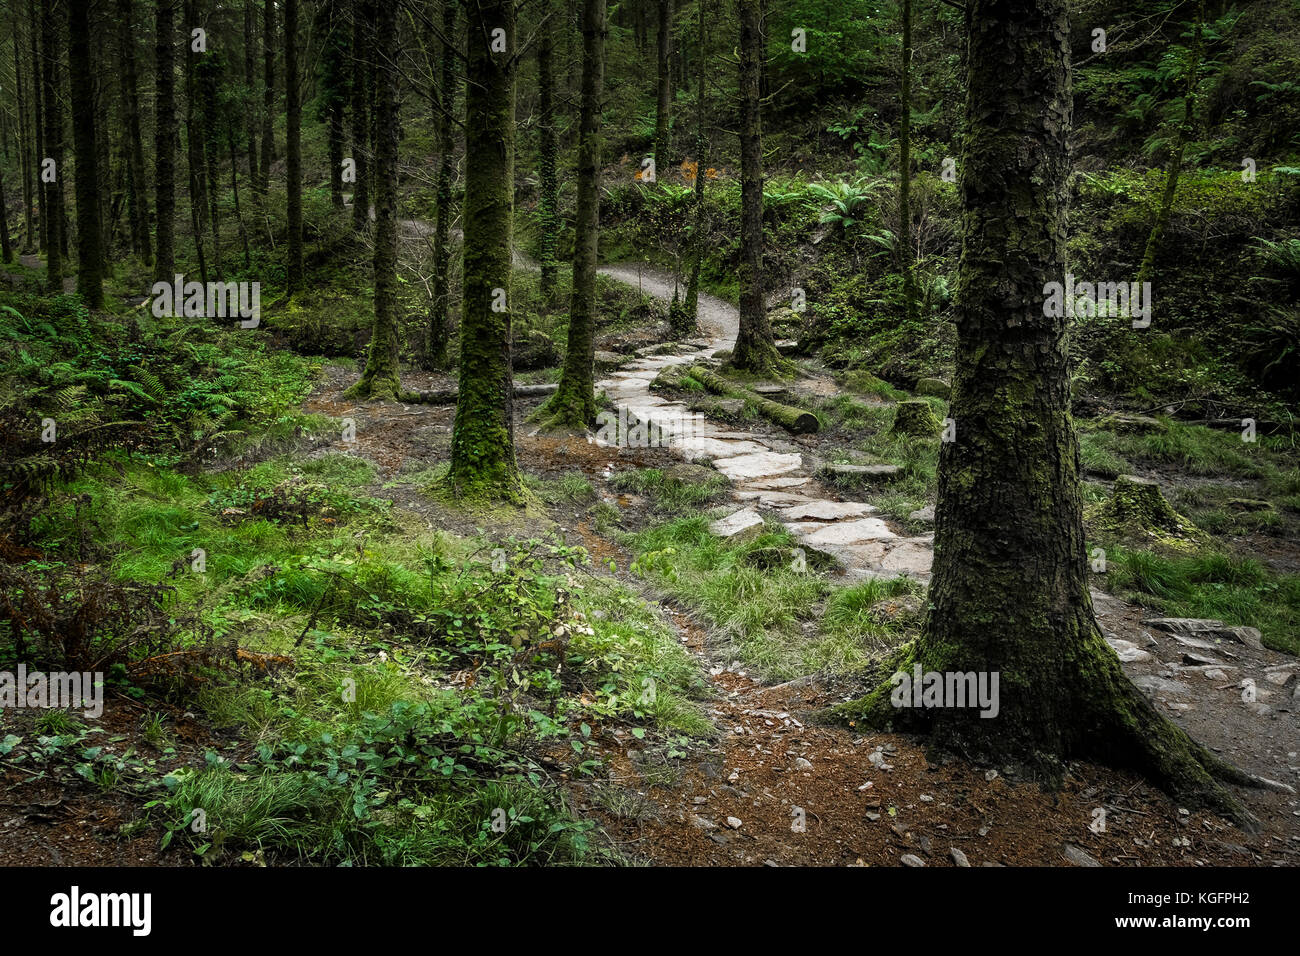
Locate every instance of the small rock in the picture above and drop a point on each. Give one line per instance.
(703, 823)
(923, 515)
(736, 523)
(958, 856)
(926, 798)
(911, 859)
(734, 822)
(801, 764)
(1077, 856)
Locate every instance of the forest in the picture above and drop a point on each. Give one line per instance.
(637, 433)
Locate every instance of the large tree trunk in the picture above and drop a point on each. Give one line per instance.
(52, 204)
(136, 192)
(548, 206)
(250, 85)
(482, 443)
(333, 89)
(1009, 594)
(25, 142)
(90, 253)
(755, 349)
(194, 143)
(663, 88)
(362, 13)
(380, 377)
(293, 146)
(446, 106)
(691, 312)
(574, 405)
(38, 130)
(165, 140)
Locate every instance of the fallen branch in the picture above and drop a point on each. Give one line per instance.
(787, 416)
(448, 396)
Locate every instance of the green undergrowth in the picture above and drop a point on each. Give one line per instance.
(769, 603)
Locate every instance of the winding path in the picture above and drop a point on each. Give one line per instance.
(764, 480)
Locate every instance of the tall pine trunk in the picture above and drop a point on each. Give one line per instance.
(293, 146)
(905, 172)
(1009, 593)
(691, 311)
(25, 139)
(755, 349)
(165, 139)
(194, 143)
(483, 461)
(269, 47)
(38, 129)
(250, 86)
(90, 253)
(381, 375)
(52, 193)
(574, 403)
(137, 209)
(663, 87)
(548, 206)
(446, 102)
(362, 13)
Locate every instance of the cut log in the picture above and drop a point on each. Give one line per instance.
(448, 396)
(787, 416)
(915, 417)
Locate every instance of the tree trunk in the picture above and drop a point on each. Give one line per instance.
(1185, 130)
(1009, 594)
(268, 95)
(293, 147)
(664, 88)
(334, 93)
(482, 444)
(137, 201)
(446, 102)
(380, 379)
(250, 85)
(165, 140)
(51, 206)
(194, 142)
(574, 405)
(362, 12)
(905, 172)
(25, 140)
(691, 311)
(755, 349)
(38, 131)
(90, 253)
(548, 158)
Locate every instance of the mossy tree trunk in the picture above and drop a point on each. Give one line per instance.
(334, 93)
(38, 127)
(548, 206)
(362, 14)
(293, 147)
(1172, 174)
(483, 462)
(137, 201)
(250, 90)
(692, 308)
(269, 46)
(90, 251)
(25, 141)
(165, 140)
(1009, 593)
(380, 377)
(574, 404)
(194, 142)
(439, 320)
(755, 349)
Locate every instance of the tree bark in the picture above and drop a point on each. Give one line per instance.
(446, 104)
(52, 204)
(250, 85)
(755, 349)
(905, 171)
(38, 130)
(362, 12)
(25, 140)
(381, 375)
(90, 252)
(664, 88)
(574, 404)
(548, 158)
(1009, 593)
(165, 140)
(194, 142)
(691, 310)
(482, 444)
(293, 147)
(136, 192)
(269, 47)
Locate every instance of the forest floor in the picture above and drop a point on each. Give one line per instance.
(770, 785)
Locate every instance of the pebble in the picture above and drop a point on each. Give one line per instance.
(734, 822)
(958, 857)
(911, 859)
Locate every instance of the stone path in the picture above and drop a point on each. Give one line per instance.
(766, 482)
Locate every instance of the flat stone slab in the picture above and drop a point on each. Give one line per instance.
(758, 465)
(1127, 651)
(703, 446)
(790, 482)
(1161, 685)
(842, 532)
(1207, 629)
(736, 523)
(826, 510)
(912, 556)
(923, 515)
(860, 472)
(773, 499)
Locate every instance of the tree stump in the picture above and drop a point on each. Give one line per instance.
(1137, 504)
(915, 418)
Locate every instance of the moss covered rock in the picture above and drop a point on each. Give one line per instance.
(1137, 506)
(934, 386)
(915, 418)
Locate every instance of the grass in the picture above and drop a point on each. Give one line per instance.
(766, 611)
(1233, 589)
(669, 493)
